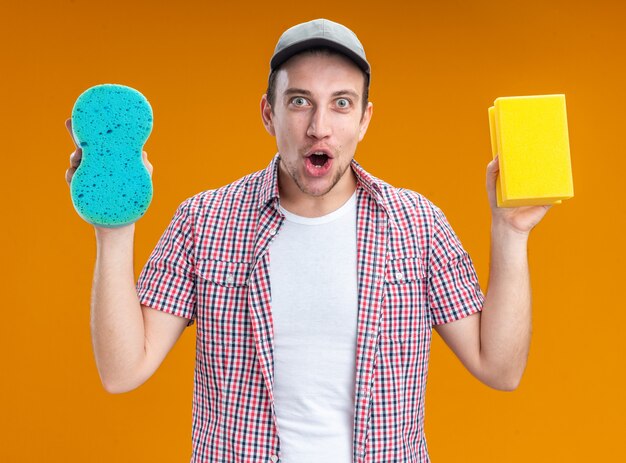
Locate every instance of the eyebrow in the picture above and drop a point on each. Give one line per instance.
(301, 91)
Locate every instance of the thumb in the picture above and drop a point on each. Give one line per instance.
(148, 164)
(493, 169)
(68, 126)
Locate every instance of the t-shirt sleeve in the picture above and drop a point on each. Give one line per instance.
(454, 292)
(167, 281)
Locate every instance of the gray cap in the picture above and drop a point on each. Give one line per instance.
(316, 33)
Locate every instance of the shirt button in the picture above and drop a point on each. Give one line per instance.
(230, 278)
(273, 231)
(399, 276)
(274, 458)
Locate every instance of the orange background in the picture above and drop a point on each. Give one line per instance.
(436, 67)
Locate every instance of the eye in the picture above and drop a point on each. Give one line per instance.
(299, 101)
(343, 103)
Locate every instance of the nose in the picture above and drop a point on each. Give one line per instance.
(319, 125)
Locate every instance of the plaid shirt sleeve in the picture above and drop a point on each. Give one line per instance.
(454, 291)
(167, 281)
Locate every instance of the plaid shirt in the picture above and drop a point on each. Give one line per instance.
(212, 265)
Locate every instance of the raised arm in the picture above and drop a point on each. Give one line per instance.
(130, 340)
(493, 344)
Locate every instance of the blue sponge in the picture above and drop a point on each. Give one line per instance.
(111, 187)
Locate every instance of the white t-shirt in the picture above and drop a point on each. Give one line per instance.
(314, 308)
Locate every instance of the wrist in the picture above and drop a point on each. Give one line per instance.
(502, 228)
(104, 234)
(508, 240)
(509, 248)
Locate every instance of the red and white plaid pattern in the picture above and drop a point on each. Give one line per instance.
(212, 265)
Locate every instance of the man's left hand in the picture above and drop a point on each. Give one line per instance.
(518, 219)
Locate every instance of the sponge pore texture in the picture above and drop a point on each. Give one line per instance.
(111, 187)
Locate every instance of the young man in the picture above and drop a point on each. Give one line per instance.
(315, 286)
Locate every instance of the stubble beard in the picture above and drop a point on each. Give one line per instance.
(303, 188)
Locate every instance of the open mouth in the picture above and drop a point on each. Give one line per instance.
(318, 163)
(319, 160)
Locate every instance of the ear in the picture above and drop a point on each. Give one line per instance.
(365, 119)
(267, 115)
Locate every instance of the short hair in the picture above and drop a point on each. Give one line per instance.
(271, 85)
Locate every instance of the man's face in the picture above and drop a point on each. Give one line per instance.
(318, 121)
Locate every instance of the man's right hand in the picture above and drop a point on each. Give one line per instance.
(77, 155)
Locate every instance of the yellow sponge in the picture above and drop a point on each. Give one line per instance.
(529, 133)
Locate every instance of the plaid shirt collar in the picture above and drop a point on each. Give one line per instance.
(372, 185)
